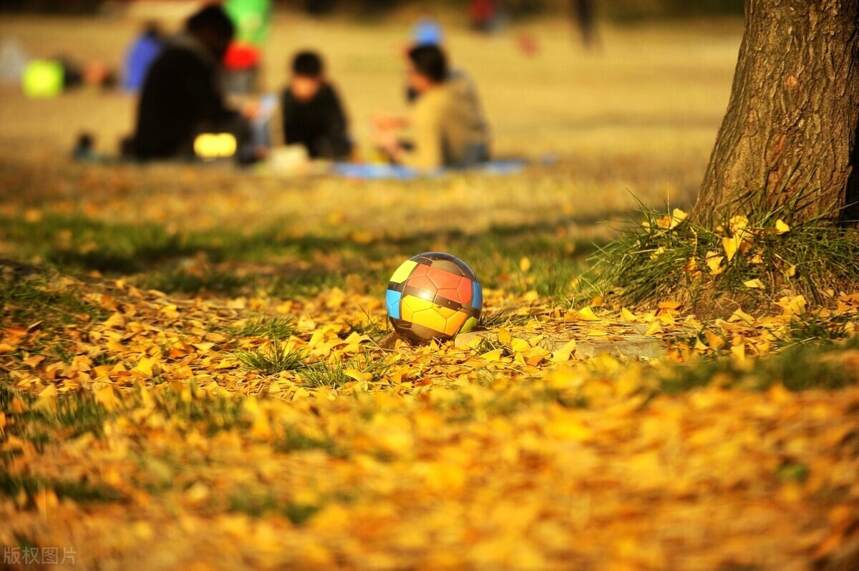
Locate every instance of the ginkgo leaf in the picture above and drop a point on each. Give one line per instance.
(536, 355)
(792, 305)
(493, 355)
(34, 361)
(740, 315)
(563, 353)
(677, 217)
(116, 320)
(358, 375)
(587, 314)
(738, 224)
(714, 262)
(146, 366)
(568, 427)
(754, 284)
(47, 399)
(654, 327)
(731, 246)
(524, 264)
(781, 227)
(106, 396)
(519, 345)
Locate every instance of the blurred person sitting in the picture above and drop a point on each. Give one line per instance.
(426, 32)
(447, 120)
(182, 96)
(313, 115)
(142, 53)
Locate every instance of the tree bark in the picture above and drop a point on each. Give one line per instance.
(788, 138)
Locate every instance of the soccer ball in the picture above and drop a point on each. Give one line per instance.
(433, 296)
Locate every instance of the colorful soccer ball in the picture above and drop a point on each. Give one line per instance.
(433, 296)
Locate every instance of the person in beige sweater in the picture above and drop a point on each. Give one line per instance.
(447, 122)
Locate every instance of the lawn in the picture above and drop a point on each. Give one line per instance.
(196, 371)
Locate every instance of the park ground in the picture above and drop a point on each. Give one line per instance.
(196, 371)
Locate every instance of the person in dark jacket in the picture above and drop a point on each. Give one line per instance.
(312, 113)
(182, 94)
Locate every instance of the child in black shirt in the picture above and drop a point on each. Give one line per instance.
(312, 113)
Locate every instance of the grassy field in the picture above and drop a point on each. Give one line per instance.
(196, 370)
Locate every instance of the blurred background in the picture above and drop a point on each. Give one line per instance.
(607, 111)
(655, 79)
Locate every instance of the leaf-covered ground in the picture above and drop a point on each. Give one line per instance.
(196, 372)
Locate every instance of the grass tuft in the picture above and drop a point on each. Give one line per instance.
(296, 441)
(815, 327)
(263, 502)
(76, 414)
(661, 259)
(25, 298)
(370, 326)
(324, 375)
(215, 413)
(272, 359)
(275, 328)
(335, 375)
(13, 485)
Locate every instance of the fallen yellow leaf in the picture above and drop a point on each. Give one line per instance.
(106, 397)
(493, 355)
(524, 264)
(519, 345)
(731, 245)
(146, 366)
(568, 427)
(587, 314)
(714, 262)
(654, 327)
(740, 315)
(358, 375)
(563, 353)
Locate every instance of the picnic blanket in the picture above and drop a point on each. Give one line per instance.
(395, 172)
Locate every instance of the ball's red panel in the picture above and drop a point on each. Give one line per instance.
(442, 283)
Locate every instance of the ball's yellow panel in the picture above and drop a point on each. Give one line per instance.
(424, 312)
(454, 323)
(411, 304)
(403, 272)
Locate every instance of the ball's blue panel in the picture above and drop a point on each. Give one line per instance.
(392, 300)
(476, 295)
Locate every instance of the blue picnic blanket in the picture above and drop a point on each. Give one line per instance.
(396, 172)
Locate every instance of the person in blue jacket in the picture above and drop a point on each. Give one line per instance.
(140, 56)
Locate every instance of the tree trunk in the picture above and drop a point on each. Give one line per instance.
(788, 138)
